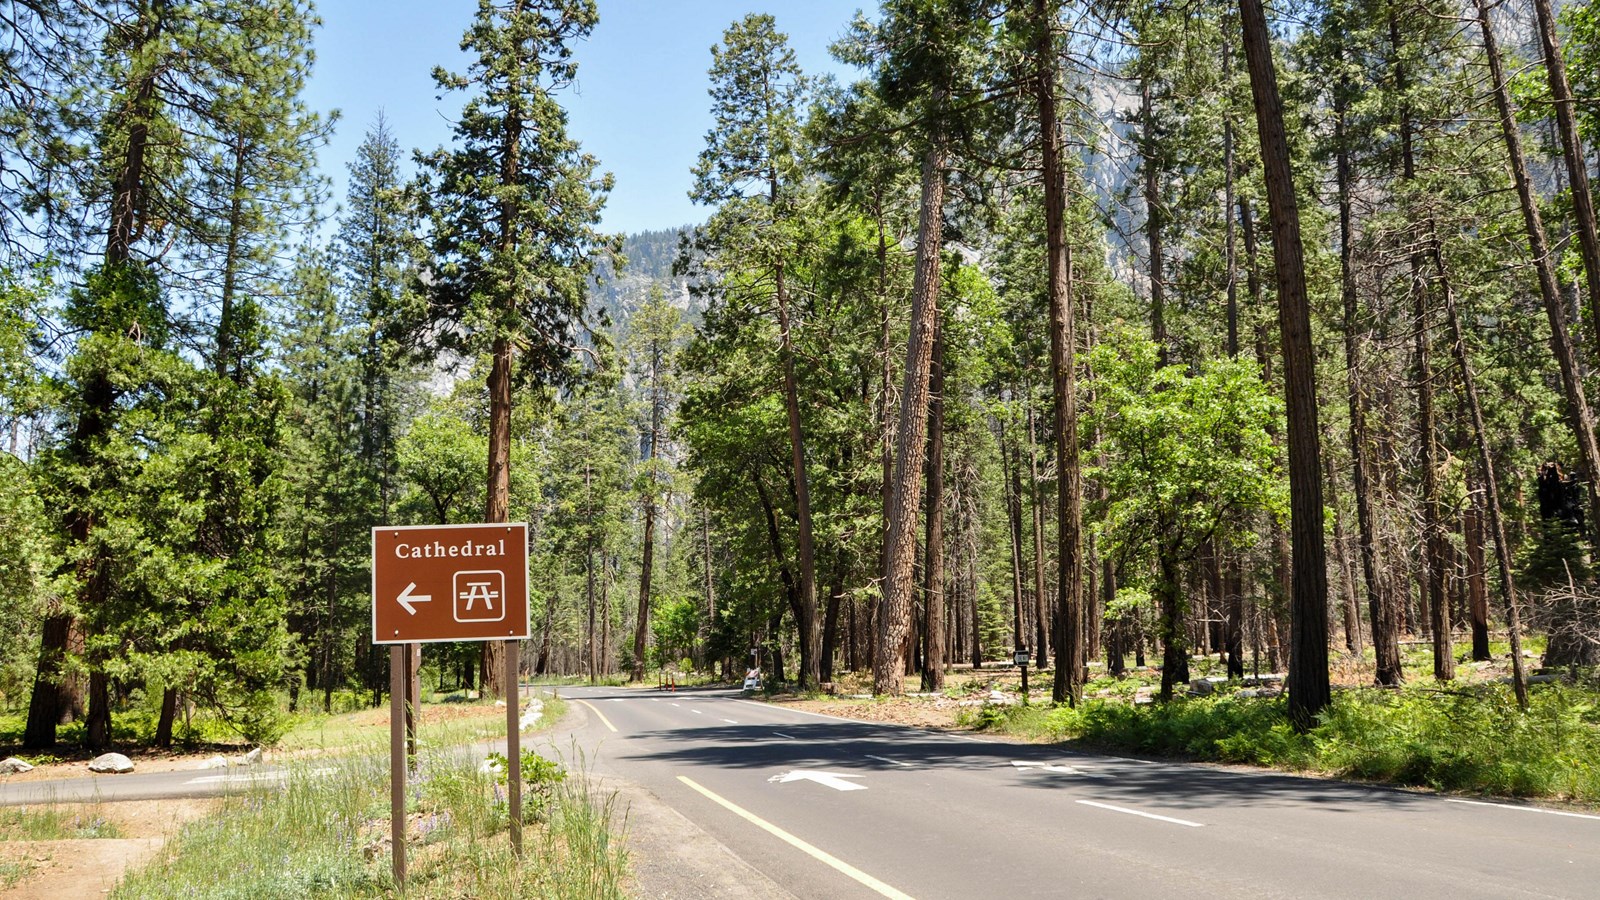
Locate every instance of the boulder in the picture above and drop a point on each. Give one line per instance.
(215, 762)
(114, 763)
(14, 766)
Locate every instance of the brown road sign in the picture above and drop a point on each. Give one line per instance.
(449, 583)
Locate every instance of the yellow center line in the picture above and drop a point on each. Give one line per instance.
(598, 713)
(812, 851)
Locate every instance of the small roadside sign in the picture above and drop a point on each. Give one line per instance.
(449, 583)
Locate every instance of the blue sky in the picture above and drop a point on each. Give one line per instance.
(640, 104)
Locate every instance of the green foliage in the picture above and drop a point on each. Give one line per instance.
(675, 623)
(22, 823)
(322, 835)
(540, 778)
(513, 237)
(1473, 740)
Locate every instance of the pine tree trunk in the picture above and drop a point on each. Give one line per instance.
(806, 614)
(491, 667)
(1010, 462)
(1152, 225)
(641, 627)
(933, 662)
(1380, 604)
(1579, 416)
(1491, 484)
(1041, 616)
(894, 622)
(1477, 595)
(1433, 549)
(1069, 626)
(1555, 67)
(1352, 612)
(1309, 691)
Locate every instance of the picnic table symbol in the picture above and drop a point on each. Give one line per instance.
(478, 595)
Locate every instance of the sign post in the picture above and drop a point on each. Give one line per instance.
(434, 583)
(1021, 659)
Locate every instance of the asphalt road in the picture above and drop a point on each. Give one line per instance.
(829, 808)
(727, 797)
(138, 786)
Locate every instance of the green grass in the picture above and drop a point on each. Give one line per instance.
(357, 730)
(323, 835)
(11, 873)
(23, 823)
(1471, 740)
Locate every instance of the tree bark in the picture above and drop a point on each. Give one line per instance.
(1069, 629)
(806, 614)
(894, 621)
(647, 565)
(1152, 221)
(1491, 484)
(1041, 616)
(1579, 416)
(1433, 549)
(1309, 691)
(1555, 67)
(1380, 605)
(933, 661)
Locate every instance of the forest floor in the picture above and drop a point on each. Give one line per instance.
(967, 690)
(90, 846)
(62, 868)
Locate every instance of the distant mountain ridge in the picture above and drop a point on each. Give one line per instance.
(649, 255)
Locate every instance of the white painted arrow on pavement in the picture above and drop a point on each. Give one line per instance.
(835, 780)
(407, 598)
(1063, 770)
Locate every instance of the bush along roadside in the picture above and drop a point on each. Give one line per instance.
(1474, 741)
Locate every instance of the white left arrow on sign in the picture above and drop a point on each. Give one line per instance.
(407, 598)
(835, 780)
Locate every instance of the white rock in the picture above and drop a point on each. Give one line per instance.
(499, 703)
(253, 757)
(488, 767)
(111, 762)
(215, 762)
(14, 766)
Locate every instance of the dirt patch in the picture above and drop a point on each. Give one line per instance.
(70, 869)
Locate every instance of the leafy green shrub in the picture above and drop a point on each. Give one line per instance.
(539, 779)
(1450, 740)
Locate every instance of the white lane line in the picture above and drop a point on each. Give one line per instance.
(1135, 812)
(730, 721)
(892, 762)
(695, 711)
(596, 711)
(814, 852)
(1534, 809)
(677, 704)
(259, 776)
(789, 737)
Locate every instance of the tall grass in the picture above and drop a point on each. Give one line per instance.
(49, 823)
(1475, 740)
(324, 834)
